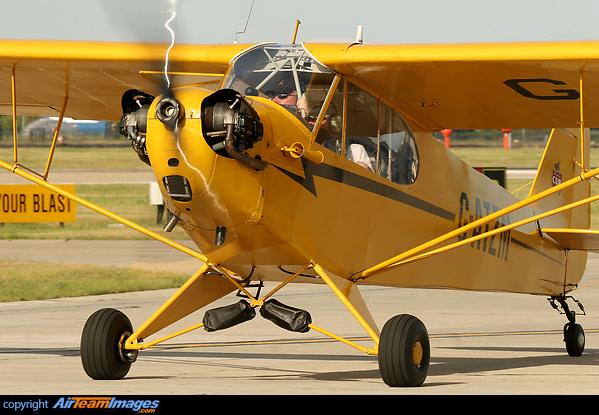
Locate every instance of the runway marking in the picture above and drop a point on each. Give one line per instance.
(325, 340)
(507, 333)
(588, 285)
(16, 350)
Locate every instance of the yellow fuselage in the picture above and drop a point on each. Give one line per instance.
(341, 215)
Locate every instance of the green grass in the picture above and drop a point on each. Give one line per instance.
(522, 157)
(101, 158)
(26, 281)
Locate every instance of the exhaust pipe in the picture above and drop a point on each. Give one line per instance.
(241, 157)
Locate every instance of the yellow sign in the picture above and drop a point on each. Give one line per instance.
(32, 203)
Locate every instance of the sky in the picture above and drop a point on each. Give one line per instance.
(384, 21)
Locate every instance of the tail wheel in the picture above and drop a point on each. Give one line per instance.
(404, 351)
(102, 355)
(574, 338)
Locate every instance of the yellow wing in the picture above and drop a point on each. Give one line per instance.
(476, 86)
(94, 75)
(498, 85)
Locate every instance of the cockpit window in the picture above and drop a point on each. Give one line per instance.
(286, 74)
(371, 134)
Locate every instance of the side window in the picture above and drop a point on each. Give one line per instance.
(398, 158)
(376, 136)
(362, 128)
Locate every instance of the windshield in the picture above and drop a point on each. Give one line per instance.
(286, 74)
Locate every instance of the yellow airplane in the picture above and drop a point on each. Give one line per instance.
(315, 163)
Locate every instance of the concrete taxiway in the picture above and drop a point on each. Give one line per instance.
(145, 254)
(481, 343)
(83, 176)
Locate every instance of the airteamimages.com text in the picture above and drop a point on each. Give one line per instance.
(142, 406)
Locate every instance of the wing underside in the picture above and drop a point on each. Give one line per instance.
(94, 75)
(478, 86)
(467, 86)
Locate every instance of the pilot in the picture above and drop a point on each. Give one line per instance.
(329, 135)
(357, 153)
(286, 96)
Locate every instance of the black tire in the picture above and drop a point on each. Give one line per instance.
(102, 334)
(574, 338)
(404, 351)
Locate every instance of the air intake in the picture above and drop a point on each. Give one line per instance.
(177, 187)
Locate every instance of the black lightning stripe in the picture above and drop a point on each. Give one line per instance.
(530, 248)
(357, 181)
(339, 175)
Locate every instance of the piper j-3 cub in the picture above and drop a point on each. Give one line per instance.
(315, 163)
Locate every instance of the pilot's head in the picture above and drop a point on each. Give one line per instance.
(285, 93)
(286, 98)
(331, 122)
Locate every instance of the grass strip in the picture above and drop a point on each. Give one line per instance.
(26, 281)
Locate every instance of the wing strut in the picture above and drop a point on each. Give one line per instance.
(413, 254)
(582, 140)
(56, 131)
(42, 182)
(55, 138)
(502, 229)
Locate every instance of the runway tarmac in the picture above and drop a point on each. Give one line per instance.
(481, 343)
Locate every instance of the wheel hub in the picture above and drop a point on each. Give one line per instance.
(418, 353)
(124, 354)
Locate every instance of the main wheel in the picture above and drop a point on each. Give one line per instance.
(101, 345)
(574, 338)
(404, 351)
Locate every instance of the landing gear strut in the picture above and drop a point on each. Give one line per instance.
(573, 332)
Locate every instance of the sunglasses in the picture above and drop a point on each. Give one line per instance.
(283, 95)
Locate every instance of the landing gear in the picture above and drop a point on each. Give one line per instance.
(573, 332)
(102, 353)
(404, 351)
(109, 345)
